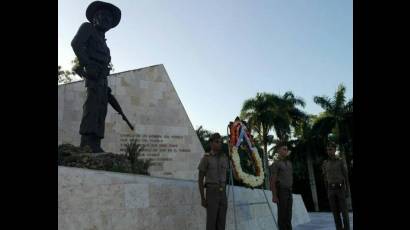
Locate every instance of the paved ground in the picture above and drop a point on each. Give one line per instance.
(321, 221)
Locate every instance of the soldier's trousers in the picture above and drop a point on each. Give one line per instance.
(216, 210)
(285, 208)
(337, 202)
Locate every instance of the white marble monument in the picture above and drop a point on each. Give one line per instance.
(169, 198)
(152, 105)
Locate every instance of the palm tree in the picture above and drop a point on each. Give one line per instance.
(269, 111)
(260, 113)
(203, 136)
(288, 115)
(337, 118)
(307, 142)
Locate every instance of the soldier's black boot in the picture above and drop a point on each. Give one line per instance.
(346, 223)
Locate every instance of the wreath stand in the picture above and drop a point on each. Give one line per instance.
(231, 186)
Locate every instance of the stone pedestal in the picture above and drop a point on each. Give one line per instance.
(90, 199)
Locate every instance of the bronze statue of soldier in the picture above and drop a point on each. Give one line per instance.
(90, 47)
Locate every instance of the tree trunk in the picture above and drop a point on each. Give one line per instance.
(265, 161)
(312, 181)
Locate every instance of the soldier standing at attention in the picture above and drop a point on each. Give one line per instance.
(281, 187)
(213, 168)
(336, 181)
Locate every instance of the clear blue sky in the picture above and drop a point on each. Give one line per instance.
(220, 53)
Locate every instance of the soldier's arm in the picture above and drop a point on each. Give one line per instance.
(202, 167)
(273, 179)
(324, 173)
(273, 185)
(346, 176)
(79, 43)
(201, 177)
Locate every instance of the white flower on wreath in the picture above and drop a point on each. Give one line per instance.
(248, 179)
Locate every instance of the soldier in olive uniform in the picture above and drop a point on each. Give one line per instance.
(281, 185)
(336, 181)
(90, 47)
(213, 167)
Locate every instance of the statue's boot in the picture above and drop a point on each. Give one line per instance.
(93, 142)
(98, 145)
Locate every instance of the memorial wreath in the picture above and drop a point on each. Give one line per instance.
(240, 139)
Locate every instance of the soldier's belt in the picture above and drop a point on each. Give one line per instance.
(336, 185)
(215, 186)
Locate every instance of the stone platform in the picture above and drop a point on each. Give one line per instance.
(101, 200)
(321, 221)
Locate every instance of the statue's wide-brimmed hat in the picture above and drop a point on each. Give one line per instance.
(97, 5)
